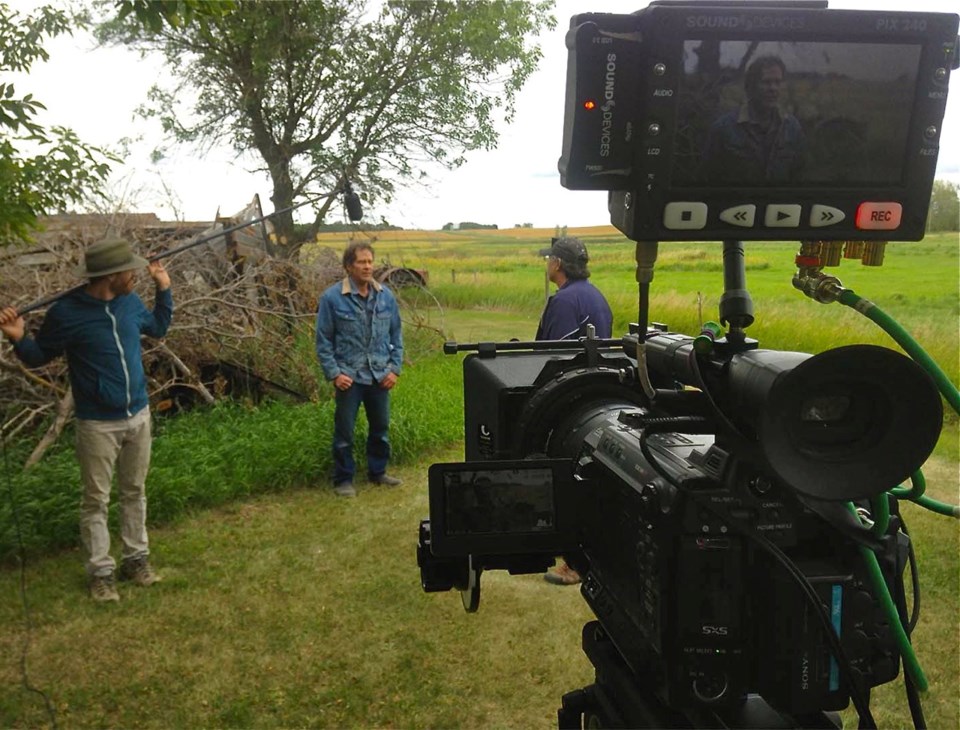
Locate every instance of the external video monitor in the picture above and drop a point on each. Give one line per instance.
(502, 507)
(758, 121)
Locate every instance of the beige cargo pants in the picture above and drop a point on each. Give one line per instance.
(101, 447)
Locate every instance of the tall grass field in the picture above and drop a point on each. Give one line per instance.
(285, 606)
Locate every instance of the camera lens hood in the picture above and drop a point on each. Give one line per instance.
(850, 423)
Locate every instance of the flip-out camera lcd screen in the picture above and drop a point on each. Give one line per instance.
(501, 507)
(499, 501)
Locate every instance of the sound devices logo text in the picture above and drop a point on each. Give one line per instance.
(745, 22)
(609, 92)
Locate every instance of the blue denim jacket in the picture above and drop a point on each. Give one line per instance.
(348, 341)
(739, 150)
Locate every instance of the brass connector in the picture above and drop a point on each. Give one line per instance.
(873, 252)
(820, 287)
(853, 250)
(830, 252)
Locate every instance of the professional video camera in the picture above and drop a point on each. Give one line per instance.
(732, 510)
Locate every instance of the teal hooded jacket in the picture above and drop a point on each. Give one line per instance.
(101, 340)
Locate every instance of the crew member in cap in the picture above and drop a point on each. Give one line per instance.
(98, 328)
(577, 304)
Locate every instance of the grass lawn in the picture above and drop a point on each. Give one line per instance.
(292, 610)
(300, 609)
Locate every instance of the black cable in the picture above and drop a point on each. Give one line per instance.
(914, 581)
(909, 686)
(28, 623)
(729, 429)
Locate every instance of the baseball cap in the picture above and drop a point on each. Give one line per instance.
(570, 250)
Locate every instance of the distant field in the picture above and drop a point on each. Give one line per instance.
(501, 271)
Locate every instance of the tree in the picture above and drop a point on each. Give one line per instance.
(944, 214)
(41, 170)
(152, 14)
(325, 91)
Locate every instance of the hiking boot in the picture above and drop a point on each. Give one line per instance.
(386, 480)
(139, 571)
(564, 575)
(344, 489)
(103, 588)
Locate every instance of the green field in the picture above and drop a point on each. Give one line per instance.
(490, 285)
(500, 273)
(284, 606)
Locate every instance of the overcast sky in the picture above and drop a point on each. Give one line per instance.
(95, 91)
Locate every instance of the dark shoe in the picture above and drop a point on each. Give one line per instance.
(386, 480)
(344, 489)
(564, 575)
(103, 588)
(138, 571)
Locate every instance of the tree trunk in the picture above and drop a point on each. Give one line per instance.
(283, 247)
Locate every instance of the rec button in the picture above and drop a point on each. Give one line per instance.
(879, 216)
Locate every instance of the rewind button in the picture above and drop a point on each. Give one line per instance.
(739, 215)
(825, 215)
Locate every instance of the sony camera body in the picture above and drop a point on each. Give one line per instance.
(660, 507)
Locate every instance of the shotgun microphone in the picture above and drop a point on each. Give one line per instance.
(352, 201)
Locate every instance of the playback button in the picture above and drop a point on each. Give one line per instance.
(782, 215)
(739, 215)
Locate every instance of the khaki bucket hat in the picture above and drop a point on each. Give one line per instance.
(109, 256)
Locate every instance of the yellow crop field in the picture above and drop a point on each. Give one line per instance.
(441, 237)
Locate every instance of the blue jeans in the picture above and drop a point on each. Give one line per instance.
(376, 404)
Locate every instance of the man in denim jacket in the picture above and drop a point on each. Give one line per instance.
(98, 329)
(360, 348)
